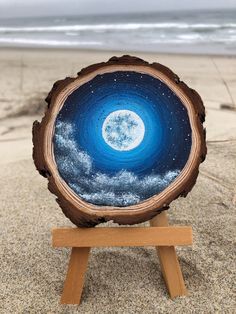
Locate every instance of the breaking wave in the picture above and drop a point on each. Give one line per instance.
(110, 27)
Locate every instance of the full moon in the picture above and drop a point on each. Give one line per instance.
(123, 130)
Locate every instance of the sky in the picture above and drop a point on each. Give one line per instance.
(25, 8)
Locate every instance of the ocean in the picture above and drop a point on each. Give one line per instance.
(199, 32)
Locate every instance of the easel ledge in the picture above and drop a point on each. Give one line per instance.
(160, 235)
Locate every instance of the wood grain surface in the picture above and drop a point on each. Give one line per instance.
(86, 214)
(133, 236)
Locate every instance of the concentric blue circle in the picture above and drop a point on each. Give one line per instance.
(102, 175)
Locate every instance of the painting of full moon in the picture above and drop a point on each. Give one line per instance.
(123, 130)
(121, 138)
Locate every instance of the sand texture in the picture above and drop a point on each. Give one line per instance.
(118, 280)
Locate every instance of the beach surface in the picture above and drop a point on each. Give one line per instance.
(118, 280)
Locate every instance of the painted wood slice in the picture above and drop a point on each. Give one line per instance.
(120, 141)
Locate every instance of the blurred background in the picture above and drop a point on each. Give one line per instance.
(157, 26)
(42, 41)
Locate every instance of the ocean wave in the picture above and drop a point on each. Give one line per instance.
(121, 189)
(48, 42)
(113, 27)
(140, 44)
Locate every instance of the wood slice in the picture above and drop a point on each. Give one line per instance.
(120, 141)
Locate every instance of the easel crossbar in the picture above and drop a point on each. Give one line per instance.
(121, 236)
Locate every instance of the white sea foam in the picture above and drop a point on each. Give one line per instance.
(47, 42)
(104, 27)
(121, 189)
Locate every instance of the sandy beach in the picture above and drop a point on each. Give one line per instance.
(119, 280)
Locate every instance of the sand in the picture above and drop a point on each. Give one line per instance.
(119, 280)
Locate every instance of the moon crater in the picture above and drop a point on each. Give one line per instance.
(123, 130)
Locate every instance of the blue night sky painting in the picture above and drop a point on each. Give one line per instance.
(121, 138)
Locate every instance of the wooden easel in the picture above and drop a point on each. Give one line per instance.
(160, 234)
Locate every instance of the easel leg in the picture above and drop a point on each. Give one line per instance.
(169, 262)
(74, 282)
